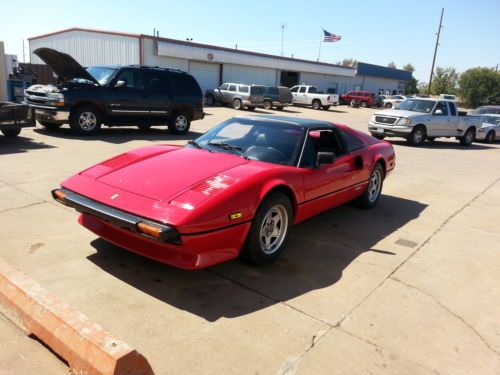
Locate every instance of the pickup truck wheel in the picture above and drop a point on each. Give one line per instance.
(11, 132)
(316, 104)
(270, 229)
(490, 137)
(468, 137)
(417, 136)
(85, 120)
(210, 100)
(49, 125)
(326, 107)
(371, 195)
(268, 104)
(179, 123)
(237, 104)
(364, 104)
(388, 105)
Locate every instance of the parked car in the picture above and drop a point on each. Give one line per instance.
(237, 190)
(419, 119)
(114, 95)
(365, 98)
(490, 128)
(305, 95)
(487, 109)
(14, 117)
(237, 95)
(278, 97)
(390, 101)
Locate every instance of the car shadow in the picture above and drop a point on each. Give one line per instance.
(316, 255)
(20, 144)
(444, 145)
(118, 135)
(336, 110)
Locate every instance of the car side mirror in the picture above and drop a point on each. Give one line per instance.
(120, 84)
(438, 112)
(325, 158)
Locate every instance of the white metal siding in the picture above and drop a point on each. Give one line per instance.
(151, 58)
(249, 74)
(90, 48)
(207, 75)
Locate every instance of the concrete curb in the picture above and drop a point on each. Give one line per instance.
(86, 346)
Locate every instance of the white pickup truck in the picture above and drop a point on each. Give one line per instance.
(308, 96)
(419, 119)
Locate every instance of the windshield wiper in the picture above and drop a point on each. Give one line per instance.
(227, 146)
(194, 143)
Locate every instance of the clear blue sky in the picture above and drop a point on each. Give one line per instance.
(376, 32)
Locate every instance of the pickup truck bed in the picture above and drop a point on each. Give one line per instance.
(14, 117)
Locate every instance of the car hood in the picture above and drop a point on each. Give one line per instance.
(65, 66)
(398, 113)
(166, 175)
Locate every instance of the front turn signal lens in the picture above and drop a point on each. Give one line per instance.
(150, 230)
(59, 195)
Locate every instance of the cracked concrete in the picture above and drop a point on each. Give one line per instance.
(411, 287)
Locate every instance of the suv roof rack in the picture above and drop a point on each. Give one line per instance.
(156, 67)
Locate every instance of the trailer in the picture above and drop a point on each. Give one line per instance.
(14, 117)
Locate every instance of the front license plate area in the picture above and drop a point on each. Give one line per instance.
(380, 130)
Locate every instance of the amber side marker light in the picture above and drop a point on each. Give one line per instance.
(235, 216)
(59, 195)
(150, 230)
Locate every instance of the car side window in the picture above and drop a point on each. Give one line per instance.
(243, 88)
(225, 86)
(453, 109)
(232, 87)
(134, 79)
(302, 89)
(353, 143)
(294, 89)
(321, 140)
(443, 107)
(158, 82)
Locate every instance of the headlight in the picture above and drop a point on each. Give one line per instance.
(56, 95)
(372, 119)
(403, 122)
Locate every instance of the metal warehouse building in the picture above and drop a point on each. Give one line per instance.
(210, 65)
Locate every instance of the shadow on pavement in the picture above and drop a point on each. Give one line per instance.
(317, 253)
(118, 135)
(444, 145)
(20, 144)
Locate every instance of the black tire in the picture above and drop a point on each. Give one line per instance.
(11, 133)
(468, 137)
(210, 100)
(316, 104)
(237, 104)
(144, 127)
(268, 104)
(417, 136)
(431, 139)
(372, 193)
(279, 107)
(490, 137)
(251, 108)
(325, 107)
(363, 104)
(378, 136)
(50, 125)
(388, 105)
(179, 123)
(254, 250)
(85, 120)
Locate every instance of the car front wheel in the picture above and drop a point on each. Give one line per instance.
(417, 136)
(85, 120)
(468, 137)
(490, 138)
(270, 229)
(371, 195)
(179, 123)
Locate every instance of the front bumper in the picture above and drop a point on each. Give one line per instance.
(481, 136)
(389, 130)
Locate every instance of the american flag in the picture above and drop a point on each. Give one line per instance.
(329, 37)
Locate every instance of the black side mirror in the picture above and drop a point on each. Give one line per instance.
(325, 158)
(120, 84)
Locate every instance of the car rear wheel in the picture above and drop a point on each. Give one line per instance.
(179, 123)
(490, 137)
(388, 105)
(85, 120)
(50, 125)
(237, 104)
(417, 136)
(316, 104)
(11, 132)
(210, 100)
(268, 104)
(364, 104)
(371, 195)
(326, 107)
(270, 229)
(468, 137)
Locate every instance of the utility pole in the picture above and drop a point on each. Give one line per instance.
(435, 51)
(24, 57)
(282, 33)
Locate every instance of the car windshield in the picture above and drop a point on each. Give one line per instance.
(415, 105)
(255, 139)
(102, 74)
(494, 120)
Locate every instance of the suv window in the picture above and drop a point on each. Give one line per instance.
(294, 89)
(353, 142)
(157, 81)
(273, 91)
(134, 78)
(256, 90)
(232, 88)
(443, 107)
(243, 88)
(453, 109)
(184, 83)
(225, 86)
(302, 89)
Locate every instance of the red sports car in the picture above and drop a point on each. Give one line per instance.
(234, 191)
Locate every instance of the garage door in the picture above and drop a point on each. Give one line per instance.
(207, 75)
(249, 74)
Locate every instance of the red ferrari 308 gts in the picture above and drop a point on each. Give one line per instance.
(236, 190)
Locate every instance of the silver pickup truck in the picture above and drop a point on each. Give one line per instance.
(419, 119)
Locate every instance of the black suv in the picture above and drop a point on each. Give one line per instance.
(114, 95)
(278, 97)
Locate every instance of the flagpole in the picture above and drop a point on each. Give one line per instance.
(320, 42)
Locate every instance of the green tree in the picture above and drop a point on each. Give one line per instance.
(391, 65)
(348, 62)
(479, 86)
(412, 87)
(422, 88)
(445, 81)
(409, 68)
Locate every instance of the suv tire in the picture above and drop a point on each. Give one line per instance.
(210, 100)
(268, 104)
(363, 104)
(179, 123)
(237, 104)
(11, 132)
(85, 120)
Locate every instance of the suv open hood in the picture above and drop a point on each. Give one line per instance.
(66, 67)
